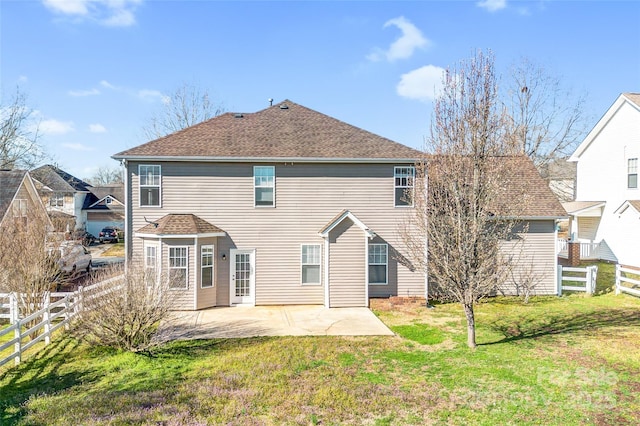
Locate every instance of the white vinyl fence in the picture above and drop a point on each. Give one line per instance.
(580, 279)
(53, 316)
(624, 284)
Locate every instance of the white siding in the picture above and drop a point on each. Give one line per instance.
(588, 228)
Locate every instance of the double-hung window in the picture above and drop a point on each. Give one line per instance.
(206, 266)
(178, 267)
(151, 263)
(378, 264)
(632, 173)
(310, 263)
(56, 200)
(150, 185)
(264, 180)
(404, 185)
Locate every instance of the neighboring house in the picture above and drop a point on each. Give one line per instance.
(287, 206)
(19, 199)
(606, 214)
(561, 175)
(103, 206)
(63, 195)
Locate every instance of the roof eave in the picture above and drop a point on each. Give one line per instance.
(164, 236)
(203, 159)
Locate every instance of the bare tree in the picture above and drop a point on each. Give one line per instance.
(19, 137)
(186, 106)
(546, 119)
(106, 176)
(125, 311)
(461, 215)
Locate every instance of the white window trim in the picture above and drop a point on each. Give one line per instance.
(57, 197)
(319, 264)
(386, 264)
(212, 266)
(629, 172)
(413, 187)
(156, 267)
(140, 186)
(186, 268)
(256, 186)
(20, 207)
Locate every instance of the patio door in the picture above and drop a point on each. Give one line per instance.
(242, 277)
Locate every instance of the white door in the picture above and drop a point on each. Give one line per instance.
(243, 277)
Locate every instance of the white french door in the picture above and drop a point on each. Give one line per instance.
(243, 281)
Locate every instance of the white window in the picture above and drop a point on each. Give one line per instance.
(19, 207)
(632, 173)
(403, 177)
(151, 263)
(378, 264)
(206, 266)
(56, 200)
(178, 261)
(264, 178)
(310, 263)
(150, 185)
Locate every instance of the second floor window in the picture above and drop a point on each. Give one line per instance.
(264, 181)
(56, 200)
(150, 185)
(632, 173)
(404, 177)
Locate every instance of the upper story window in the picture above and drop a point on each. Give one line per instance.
(404, 180)
(150, 185)
(264, 181)
(56, 200)
(310, 263)
(632, 173)
(20, 210)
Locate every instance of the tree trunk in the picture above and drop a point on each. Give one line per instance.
(471, 325)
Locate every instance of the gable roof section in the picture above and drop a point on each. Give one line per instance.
(179, 225)
(632, 99)
(344, 214)
(578, 207)
(97, 194)
(624, 206)
(58, 180)
(10, 182)
(285, 131)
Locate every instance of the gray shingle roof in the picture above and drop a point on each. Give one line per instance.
(285, 130)
(10, 181)
(180, 224)
(59, 180)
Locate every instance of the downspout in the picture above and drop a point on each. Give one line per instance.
(127, 221)
(327, 303)
(196, 272)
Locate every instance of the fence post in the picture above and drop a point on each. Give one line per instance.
(67, 314)
(17, 346)
(14, 314)
(594, 277)
(559, 280)
(46, 316)
(618, 275)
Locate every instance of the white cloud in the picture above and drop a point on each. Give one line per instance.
(55, 127)
(111, 13)
(23, 79)
(492, 5)
(105, 83)
(423, 84)
(97, 128)
(153, 95)
(81, 93)
(410, 40)
(77, 147)
(142, 94)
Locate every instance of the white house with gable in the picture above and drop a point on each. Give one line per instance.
(606, 213)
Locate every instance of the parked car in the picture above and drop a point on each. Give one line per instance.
(111, 234)
(83, 236)
(72, 257)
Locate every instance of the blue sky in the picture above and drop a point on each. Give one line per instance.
(96, 70)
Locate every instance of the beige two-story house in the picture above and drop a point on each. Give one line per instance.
(285, 206)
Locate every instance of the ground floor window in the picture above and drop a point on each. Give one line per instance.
(206, 262)
(310, 263)
(178, 261)
(378, 263)
(151, 263)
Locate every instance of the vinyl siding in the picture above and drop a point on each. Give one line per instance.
(535, 256)
(307, 197)
(347, 266)
(588, 228)
(182, 299)
(206, 297)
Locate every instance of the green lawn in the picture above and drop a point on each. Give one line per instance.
(569, 360)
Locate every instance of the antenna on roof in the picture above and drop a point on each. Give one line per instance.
(270, 101)
(155, 224)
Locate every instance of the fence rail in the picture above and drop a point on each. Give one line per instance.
(43, 323)
(625, 284)
(588, 280)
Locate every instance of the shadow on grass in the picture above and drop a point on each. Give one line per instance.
(514, 329)
(38, 375)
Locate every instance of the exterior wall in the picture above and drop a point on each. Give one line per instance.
(588, 228)
(206, 297)
(602, 176)
(536, 257)
(347, 266)
(307, 197)
(183, 299)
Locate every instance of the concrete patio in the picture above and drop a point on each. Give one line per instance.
(242, 321)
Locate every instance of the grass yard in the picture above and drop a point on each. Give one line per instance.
(116, 250)
(569, 360)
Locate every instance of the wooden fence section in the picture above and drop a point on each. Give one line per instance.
(588, 280)
(42, 324)
(625, 284)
